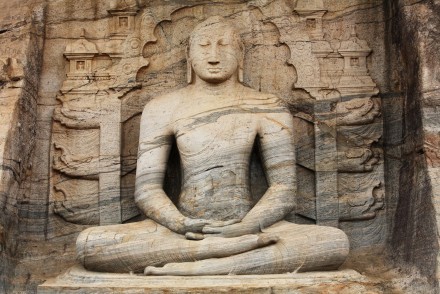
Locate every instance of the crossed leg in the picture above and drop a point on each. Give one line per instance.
(300, 248)
(134, 246)
(283, 247)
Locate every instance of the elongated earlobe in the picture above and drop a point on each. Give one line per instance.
(240, 74)
(189, 71)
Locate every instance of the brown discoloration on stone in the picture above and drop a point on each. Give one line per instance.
(432, 149)
(403, 36)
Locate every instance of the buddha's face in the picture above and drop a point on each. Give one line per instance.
(215, 53)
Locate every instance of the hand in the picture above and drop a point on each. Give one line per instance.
(232, 230)
(194, 227)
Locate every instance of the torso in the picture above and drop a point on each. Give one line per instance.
(215, 140)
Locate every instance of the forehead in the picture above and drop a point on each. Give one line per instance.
(216, 30)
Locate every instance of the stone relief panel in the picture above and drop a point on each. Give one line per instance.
(12, 88)
(77, 160)
(109, 80)
(11, 81)
(11, 70)
(346, 159)
(76, 201)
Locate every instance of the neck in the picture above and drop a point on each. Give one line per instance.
(227, 87)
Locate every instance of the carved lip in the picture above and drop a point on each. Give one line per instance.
(214, 69)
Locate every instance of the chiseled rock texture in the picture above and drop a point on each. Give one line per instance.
(347, 281)
(412, 133)
(62, 170)
(21, 53)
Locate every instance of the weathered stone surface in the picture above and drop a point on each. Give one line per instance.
(21, 42)
(166, 48)
(217, 227)
(78, 280)
(411, 120)
(326, 59)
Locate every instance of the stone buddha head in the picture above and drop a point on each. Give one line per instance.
(215, 52)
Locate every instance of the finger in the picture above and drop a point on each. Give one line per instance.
(232, 221)
(196, 224)
(223, 223)
(200, 222)
(194, 236)
(215, 224)
(211, 230)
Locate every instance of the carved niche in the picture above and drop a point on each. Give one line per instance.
(339, 156)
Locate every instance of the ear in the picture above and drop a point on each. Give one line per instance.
(240, 72)
(189, 71)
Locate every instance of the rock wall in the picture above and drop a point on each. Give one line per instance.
(412, 133)
(21, 49)
(76, 74)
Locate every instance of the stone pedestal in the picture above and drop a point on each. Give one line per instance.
(78, 280)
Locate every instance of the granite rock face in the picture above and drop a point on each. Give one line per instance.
(412, 120)
(361, 80)
(21, 49)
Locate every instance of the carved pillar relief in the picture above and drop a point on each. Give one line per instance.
(347, 124)
(88, 142)
(87, 127)
(345, 157)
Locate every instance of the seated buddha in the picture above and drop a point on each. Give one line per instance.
(215, 228)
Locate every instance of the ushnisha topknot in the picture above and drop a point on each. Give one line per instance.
(211, 23)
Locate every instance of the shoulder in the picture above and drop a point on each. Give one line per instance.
(166, 103)
(264, 102)
(271, 112)
(158, 113)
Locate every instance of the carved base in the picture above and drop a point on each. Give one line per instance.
(78, 280)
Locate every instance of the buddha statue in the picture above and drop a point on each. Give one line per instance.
(215, 228)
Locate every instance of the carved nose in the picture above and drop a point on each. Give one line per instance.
(213, 56)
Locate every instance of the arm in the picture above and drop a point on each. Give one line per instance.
(278, 155)
(155, 141)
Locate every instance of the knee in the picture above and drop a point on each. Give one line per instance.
(330, 250)
(81, 245)
(337, 235)
(332, 238)
(341, 240)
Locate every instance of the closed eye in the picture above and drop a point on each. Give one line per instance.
(223, 42)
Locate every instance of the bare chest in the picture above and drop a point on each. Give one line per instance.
(215, 133)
